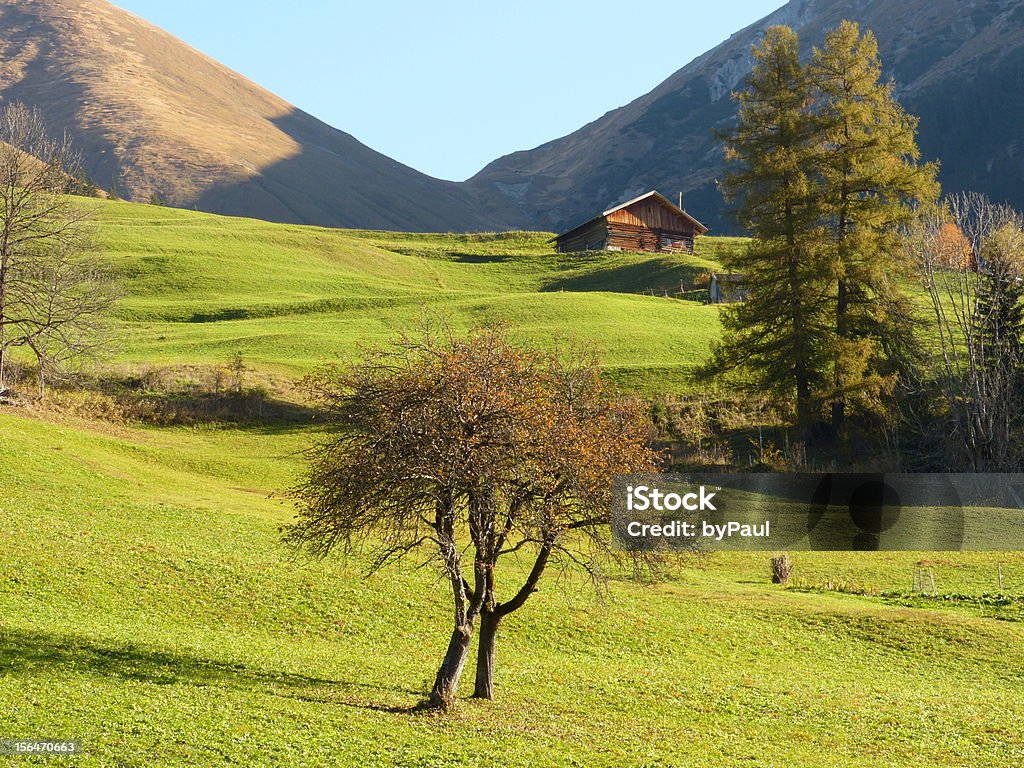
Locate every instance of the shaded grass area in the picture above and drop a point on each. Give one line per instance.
(149, 610)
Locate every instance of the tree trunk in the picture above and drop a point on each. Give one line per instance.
(839, 404)
(484, 688)
(801, 376)
(443, 694)
(3, 319)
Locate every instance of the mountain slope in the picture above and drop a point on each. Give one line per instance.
(958, 64)
(155, 117)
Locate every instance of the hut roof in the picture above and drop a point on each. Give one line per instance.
(700, 228)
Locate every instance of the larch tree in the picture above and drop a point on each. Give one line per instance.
(780, 334)
(478, 450)
(825, 174)
(871, 185)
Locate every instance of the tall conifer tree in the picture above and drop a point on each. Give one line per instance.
(997, 330)
(779, 334)
(999, 305)
(871, 184)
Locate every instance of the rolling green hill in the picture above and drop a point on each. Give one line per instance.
(149, 609)
(201, 287)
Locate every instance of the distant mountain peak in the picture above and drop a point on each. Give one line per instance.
(154, 116)
(957, 65)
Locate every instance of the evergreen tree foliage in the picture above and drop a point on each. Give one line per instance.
(999, 307)
(998, 336)
(779, 334)
(871, 186)
(824, 172)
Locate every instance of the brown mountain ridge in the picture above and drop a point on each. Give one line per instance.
(153, 116)
(156, 117)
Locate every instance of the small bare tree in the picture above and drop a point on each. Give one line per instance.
(971, 256)
(469, 445)
(68, 318)
(52, 299)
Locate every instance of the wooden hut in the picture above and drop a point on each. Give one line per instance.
(650, 222)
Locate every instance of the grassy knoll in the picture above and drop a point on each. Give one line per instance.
(148, 609)
(200, 287)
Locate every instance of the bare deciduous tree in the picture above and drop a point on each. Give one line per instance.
(469, 445)
(971, 256)
(52, 299)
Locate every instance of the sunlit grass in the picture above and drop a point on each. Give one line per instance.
(149, 609)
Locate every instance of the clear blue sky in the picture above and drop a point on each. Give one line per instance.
(447, 87)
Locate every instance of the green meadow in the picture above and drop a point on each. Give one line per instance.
(201, 287)
(148, 608)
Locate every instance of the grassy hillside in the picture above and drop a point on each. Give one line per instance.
(201, 287)
(149, 610)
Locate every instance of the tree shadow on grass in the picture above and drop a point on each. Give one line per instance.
(657, 273)
(27, 653)
(251, 411)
